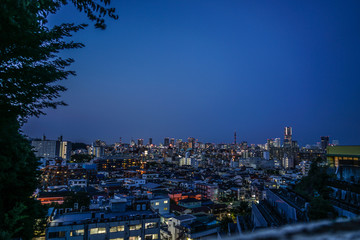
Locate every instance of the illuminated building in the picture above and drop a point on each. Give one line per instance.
(191, 142)
(277, 142)
(287, 136)
(65, 150)
(345, 161)
(116, 163)
(118, 222)
(51, 149)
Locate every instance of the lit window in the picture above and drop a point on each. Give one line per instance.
(135, 238)
(166, 201)
(150, 225)
(97, 230)
(157, 203)
(116, 238)
(117, 229)
(135, 227)
(79, 232)
(165, 209)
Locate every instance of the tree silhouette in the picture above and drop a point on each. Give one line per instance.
(30, 71)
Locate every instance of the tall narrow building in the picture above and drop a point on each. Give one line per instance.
(324, 142)
(166, 142)
(287, 136)
(191, 142)
(235, 138)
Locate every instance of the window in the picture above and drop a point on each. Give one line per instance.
(157, 203)
(116, 238)
(117, 229)
(135, 238)
(57, 234)
(135, 227)
(151, 236)
(150, 225)
(166, 201)
(79, 232)
(97, 230)
(165, 208)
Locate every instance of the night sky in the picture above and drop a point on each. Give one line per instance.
(207, 68)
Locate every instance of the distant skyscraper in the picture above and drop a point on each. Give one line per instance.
(132, 143)
(235, 137)
(191, 142)
(172, 142)
(269, 144)
(150, 141)
(179, 143)
(166, 142)
(140, 142)
(287, 137)
(98, 148)
(65, 149)
(277, 142)
(324, 142)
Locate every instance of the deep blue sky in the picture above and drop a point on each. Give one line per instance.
(206, 68)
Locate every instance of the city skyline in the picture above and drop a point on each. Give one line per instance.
(149, 140)
(206, 68)
(178, 120)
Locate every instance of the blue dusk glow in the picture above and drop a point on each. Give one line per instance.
(207, 68)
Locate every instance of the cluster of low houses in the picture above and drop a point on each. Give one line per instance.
(136, 198)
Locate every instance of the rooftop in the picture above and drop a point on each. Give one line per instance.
(185, 217)
(344, 150)
(83, 217)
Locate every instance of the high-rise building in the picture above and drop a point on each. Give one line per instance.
(65, 150)
(52, 148)
(324, 142)
(277, 142)
(172, 142)
(150, 141)
(46, 148)
(166, 142)
(288, 162)
(98, 148)
(287, 137)
(191, 142)
(269, 144)
(235, 138)
(140, 142)
(179, 143)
